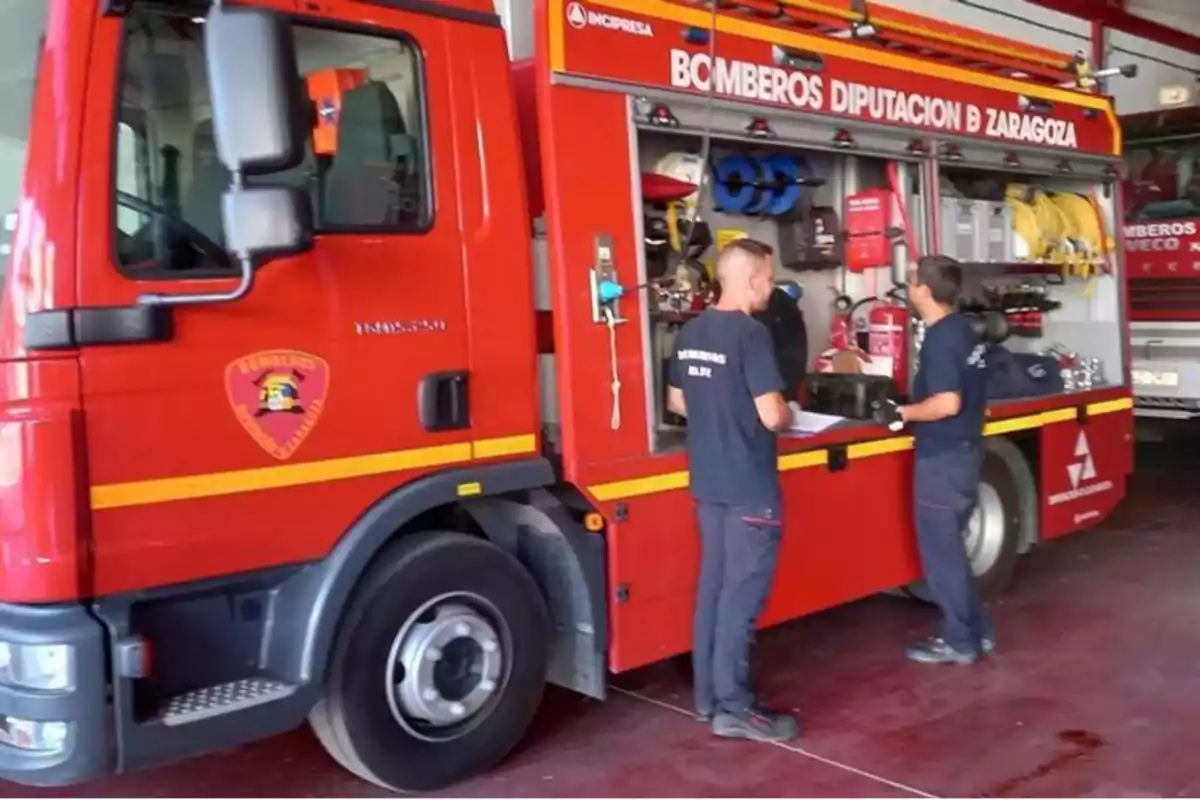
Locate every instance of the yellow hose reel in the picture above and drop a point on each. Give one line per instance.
(1063, 228)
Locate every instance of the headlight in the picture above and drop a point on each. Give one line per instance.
(36, 666)
(33, 735)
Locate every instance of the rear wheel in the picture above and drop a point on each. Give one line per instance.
(439, 665)
(1004, 519)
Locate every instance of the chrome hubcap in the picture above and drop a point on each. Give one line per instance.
(986, 531)
(446, 663)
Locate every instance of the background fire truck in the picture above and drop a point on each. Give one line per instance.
(1162, 239)
(331, 349)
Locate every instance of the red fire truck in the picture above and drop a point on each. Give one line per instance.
(339, 246)
(1162, 237)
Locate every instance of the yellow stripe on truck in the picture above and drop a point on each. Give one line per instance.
(652, 484)
(216, 484)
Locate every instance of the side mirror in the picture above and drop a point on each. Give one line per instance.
(266, 221)
(257, 104)
(254, 88)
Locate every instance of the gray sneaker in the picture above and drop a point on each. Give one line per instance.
(935, 650)
(758, 724)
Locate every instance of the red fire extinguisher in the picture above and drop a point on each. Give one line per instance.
(887, 338)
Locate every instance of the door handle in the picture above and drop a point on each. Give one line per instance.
(443, 401)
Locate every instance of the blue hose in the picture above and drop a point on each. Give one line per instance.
(735, 189)
(765, 194)
(784, 178)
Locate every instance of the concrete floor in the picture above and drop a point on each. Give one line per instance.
(1095, 692)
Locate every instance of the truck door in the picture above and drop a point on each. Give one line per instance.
(253, 433)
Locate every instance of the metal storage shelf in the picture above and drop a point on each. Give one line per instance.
(1017, 267)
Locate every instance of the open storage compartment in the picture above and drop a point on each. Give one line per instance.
(819, 207)
(1034, 234)
(1037, 249)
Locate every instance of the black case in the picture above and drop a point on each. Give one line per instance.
(849, 396)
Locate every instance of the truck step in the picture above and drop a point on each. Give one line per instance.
(224, 698)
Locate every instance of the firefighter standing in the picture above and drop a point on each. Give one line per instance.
(724, 378)
(949, 393)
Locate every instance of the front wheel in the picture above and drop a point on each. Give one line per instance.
(439, 665)
(1004, 519)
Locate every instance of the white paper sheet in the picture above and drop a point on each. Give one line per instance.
(809, 421)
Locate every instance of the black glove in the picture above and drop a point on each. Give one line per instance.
(887, 413)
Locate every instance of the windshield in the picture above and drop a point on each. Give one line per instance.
(1162, 153)
(21, 27)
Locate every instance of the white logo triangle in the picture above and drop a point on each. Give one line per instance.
(576, 15)
(1089, 469)
(1085, 468)
(1075, 470)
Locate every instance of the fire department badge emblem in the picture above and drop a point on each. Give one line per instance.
(278, 396)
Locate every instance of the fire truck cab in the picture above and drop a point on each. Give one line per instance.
(333, 344)
(1162, 234)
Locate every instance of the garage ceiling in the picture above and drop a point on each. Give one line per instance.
(1175, 23)
(1182, 14)
(1178, 8)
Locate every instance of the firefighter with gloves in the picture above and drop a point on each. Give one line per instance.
(725, 380)
(947, 414)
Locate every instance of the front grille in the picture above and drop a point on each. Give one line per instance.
(1180, 403)
(1165, 294)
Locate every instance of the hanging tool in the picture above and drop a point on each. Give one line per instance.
(841, 324)
(843, 331)
(910, 236)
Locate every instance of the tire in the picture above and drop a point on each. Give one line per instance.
(453, 602)
(1004, 522)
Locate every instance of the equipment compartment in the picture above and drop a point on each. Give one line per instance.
(1044, 286)
(819, 209)
(1044, 294)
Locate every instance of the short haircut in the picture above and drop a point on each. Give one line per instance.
(751, 247)
(943, 276)
(744, 249)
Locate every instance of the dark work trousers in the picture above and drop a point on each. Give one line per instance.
(947, 489)
(739, 550)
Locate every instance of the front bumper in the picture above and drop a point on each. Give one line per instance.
(1166, 388)
(78, 749)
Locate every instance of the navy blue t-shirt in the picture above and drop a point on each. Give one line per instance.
(951, 361)
(723, 360)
